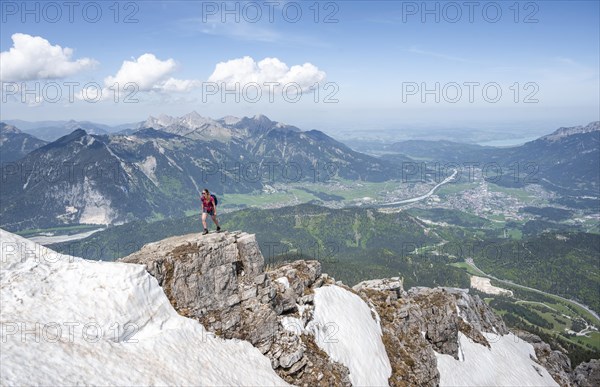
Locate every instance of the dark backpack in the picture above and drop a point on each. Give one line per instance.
(215, 198)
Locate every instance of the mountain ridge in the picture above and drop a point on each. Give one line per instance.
(167, 167)
(564, 161)
(166, 170)
(224, 129)
(431, 336)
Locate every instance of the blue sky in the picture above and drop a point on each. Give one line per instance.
(371, 55)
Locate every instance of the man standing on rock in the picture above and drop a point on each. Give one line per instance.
(209, 207)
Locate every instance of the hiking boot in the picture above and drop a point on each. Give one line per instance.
(218, 229)
(205, 232)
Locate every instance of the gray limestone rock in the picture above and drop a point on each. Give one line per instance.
(587, 374)
(220, 280)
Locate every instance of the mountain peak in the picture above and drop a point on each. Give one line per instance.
(73, 125)
(15, 144)
(261, 117)
(195, 120)
(193, 114)
(77, 133)
(6, 128)
(159, 122)
(569, 131)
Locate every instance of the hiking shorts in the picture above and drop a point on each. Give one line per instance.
(209, 212)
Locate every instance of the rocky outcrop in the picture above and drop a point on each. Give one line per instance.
(556, 362)
(209, 277)
(411, 356)
(587, 374)
(423, 320)
(219, 279)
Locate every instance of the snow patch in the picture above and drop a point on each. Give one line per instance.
(344, 328)
(133, 335)
(508, 363)
(27, 181)
(194, 183)
(173, 163)
(157, 146)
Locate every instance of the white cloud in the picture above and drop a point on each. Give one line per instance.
(33, 57)
(246, 70)
(149, 73)
(144, 74)
(180, 85)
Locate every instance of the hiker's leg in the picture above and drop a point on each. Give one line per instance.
(214, 218)
(204, 220)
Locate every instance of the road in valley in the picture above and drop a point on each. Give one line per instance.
(470, 262)
(425, 196)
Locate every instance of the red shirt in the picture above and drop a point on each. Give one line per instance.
(209, 204)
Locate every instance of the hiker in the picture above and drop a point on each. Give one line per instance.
(209, 207)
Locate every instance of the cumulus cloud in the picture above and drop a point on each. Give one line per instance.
(33, 57)
(142, 75)
(149, 73)
(179, 85)
(246, 70)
